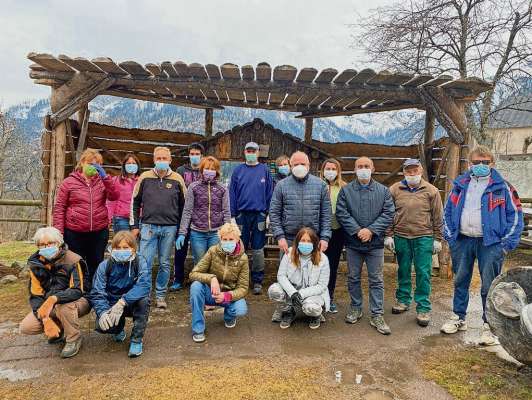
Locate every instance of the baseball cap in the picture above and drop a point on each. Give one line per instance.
(411, 162)
(252, 145)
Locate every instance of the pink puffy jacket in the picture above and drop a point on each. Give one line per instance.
(80, 205)
(121, 207)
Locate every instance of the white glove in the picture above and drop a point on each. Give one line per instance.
(116, 312)
(267, 222)
(389, 243)
(436, 247)
(105, 321)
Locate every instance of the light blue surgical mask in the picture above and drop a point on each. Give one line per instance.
(131, 168)
(251, 157)
(121, 255)
(284, 170)
(162, 165)
(194, 160)
(228, 246)
(49, 252)
(305, 248)
(363, 173)
(480, 170)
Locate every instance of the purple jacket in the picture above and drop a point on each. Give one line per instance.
(189, 174)
(206, 207)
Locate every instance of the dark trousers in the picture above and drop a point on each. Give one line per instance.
(180, 257)
(333, 253)
(139, 311)
(89, 245)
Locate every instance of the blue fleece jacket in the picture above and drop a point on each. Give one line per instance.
(250, 189)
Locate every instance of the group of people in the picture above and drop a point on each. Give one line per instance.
(312, 219)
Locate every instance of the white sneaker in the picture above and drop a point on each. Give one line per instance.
(453, 325)
(487, 338)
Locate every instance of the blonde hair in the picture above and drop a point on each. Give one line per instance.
(229, 228)
(88, 154)
(162, 148)
(210, 162)
(338, 180)
(482, 151)
(281, 158)
(124, 235)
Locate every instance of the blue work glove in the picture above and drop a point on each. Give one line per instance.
(179, 242)
(100, 170)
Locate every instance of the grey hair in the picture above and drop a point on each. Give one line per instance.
(298, 153)
(50, 233)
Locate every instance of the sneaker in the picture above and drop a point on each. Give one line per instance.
(55, 340)
(230, 324)
(287, 319)
(198, 337)
(423, 318)
(453, 325)
(120, 337)
(315, 322)
(353, 315)
(71, 348)
(257, 289)
(209, 308)
(175, 287)
(487, 338)
(135, 349)
(333, 309)
(277, 315)
(399, 308)
(161, 303)
(378, 323)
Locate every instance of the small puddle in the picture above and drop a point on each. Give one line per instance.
(352, 374)
(14, 375)
(376, 394)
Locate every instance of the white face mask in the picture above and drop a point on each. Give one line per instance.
(364, 174)
(300, 171)
(413, 180)
(330, 174)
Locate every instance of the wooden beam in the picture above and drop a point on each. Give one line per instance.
(309, 122)
(208, 122)
(70, 138)
(428, 141)
(83, 131)
(353, 111)
(182, 102)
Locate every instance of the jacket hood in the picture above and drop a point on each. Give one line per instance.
(80, 177)
(463, 180)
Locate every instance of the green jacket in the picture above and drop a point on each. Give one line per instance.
(232, 271)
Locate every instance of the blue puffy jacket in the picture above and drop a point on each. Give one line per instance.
(501, 212)
(114, 280)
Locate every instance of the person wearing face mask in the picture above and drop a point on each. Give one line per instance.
(157, 205)
(414, 236)
(250, 192)
(364, 211)
(206, 210)
(190, 173)
(282, 164)
(483, 222)
(58, 283)
(302, 281)
(80, 210)
(124, 183)
(220, 278)
(121, 289)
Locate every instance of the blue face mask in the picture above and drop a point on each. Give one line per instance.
(284, 170)
(251, 157)
(131, 168)
(121, 255)
(305, 248)
(194, 160)
(480, 170)
(228, 246)
(49, 252)
(162, 165)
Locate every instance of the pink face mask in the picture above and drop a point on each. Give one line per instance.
(209, 174)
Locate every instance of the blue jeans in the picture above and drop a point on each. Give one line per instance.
(463, 253)
(200, 295)
(200, 242)
(120, 224)
(160, 239)
(253, 227)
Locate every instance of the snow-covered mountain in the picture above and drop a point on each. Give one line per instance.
(401, 127)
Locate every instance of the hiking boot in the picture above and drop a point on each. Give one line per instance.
(378, 323)
(399, 308)
(277, 315)
(333, 309)
(315, 322)
(287, 319)
(71, 348)
(161, 303)
(257, 289)
(175, 287)
(135, 349)
(453, 325)
(230, 324)
(423, 318)
(353, 315)
(487, 338)
(59, 339)
(120, 336)
(198, 337)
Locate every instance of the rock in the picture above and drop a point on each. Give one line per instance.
(18, 265)
(25, 273)
(8, 279)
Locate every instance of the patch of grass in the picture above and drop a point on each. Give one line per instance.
(15, 251)
(14, 301)
(473, 374)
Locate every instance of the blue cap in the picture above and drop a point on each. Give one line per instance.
(411, 162)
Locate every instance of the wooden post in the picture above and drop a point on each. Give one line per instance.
(309, 122)
(45, 159)
(208, 122)
(428, 141)
(83, 115)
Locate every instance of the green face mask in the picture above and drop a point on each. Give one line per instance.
(89, 170)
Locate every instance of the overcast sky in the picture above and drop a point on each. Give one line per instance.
(303, 33)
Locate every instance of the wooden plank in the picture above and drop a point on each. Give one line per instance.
(418, 80)
(169, 69)
(349, 149)
(230, 71)
(306, 75)
(380, 78)
(109, 66)
(178, 101)
(79, 63)
(248, 72)
(96, 130)
(134, 68)
(263, 72)
(208, 122)
(309, 122)
(134, 146)
(362, 76)
(284, 73)
(428, 140)
(326, 75)
(291, 99)
(345, 76)
(83, 131)
(49, 62)
(213, 71)
(473, 83)
(182, 69)
(318, 100)
(155, 70)
(37, 67)
(439, 80)
(70, 137)
(197, 71)
(357, 110)
(398, 78)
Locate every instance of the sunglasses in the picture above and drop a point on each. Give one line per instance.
(477, 162)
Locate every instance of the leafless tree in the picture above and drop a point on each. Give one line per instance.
(485, 38)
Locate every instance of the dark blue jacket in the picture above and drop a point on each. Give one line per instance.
(113, 280)
(250, 189)
(501, 212)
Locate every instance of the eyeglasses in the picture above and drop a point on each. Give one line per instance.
(485, 162)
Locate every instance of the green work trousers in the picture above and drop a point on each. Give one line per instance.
(418, 250)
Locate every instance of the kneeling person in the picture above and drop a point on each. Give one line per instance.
(57, 286)
(220, 278)
(302, 280)
(121, 289)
